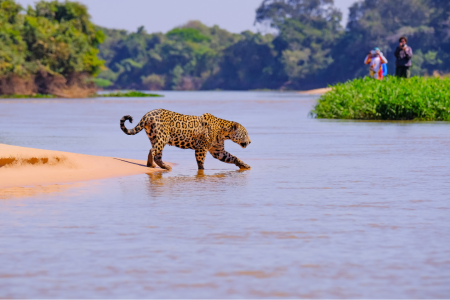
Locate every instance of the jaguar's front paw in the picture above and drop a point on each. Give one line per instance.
(244, 167)
(167, 167)
(151, 165)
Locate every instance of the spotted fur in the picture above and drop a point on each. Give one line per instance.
(204, 133)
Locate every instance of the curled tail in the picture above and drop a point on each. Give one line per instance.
(133, 131)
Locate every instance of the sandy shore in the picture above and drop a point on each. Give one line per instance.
(316, 91)
(25, 167)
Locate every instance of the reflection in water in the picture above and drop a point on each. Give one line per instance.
(19, 192)
(164, 184)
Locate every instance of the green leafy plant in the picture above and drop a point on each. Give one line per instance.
(129, 94)
(27, 96)
(101, 82)
(54, 40)
(188, 34)
(417, 98)
(55, 37)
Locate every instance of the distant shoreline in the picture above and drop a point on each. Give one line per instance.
(114, 93)
(129, 94)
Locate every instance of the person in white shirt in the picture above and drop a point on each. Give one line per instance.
(375, 59)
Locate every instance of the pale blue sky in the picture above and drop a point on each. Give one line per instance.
(163, 15)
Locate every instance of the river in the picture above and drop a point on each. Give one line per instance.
(330, 208)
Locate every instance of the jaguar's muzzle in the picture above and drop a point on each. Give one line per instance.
(243, 145)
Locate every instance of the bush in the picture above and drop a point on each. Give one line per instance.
(188, 34)
(27, 96)
(153, 82)
(102, 83)
(54, 37)
(417, 98)
(129, 94)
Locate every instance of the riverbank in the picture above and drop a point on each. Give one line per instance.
(24, 167)
(112, 94)
(315, 91)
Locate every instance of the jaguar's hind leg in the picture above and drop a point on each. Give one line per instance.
(150, 129)
(150, 162)
(157, 149)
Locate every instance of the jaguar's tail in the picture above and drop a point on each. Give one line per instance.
(133, 131)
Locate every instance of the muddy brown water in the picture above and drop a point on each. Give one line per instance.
(330, 209)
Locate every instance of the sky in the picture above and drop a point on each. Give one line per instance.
(163, 15)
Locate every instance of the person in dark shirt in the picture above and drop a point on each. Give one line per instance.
(404, 54)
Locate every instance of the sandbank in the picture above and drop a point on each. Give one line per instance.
(316, 91)
(27, 167)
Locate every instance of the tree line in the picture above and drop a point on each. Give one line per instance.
(47, 48)
(310, 48)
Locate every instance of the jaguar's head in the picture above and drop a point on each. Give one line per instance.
(239, 135)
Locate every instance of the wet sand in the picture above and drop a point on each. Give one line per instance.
(25, 167)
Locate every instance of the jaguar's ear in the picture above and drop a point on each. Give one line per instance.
(204, 123)
(235, 126)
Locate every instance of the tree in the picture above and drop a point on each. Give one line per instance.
(47, 49)
(440, 22)
(308, 29)
(181, 59)
(58, 37)
(248, 64)
(12, 45)
(61, 38)
(315, 13)
(380, 23)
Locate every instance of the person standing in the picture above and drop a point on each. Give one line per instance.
(404, 54)
(375, 59)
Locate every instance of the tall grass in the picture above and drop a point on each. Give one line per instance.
(417, 98)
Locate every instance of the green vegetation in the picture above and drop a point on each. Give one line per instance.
(188, 35)
(116, 94)
(417, 98)
(185, 58)
(54, 37)
(52, 42)
(102, 83)
(129, 94)
(53, 46)
(27, 96)
(310, 49)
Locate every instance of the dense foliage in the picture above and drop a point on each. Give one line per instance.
(392, 99)
(310, 49)
(129, 94)
(53, 37)
(184, 58)
(380, 23)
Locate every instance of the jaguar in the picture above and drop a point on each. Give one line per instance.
(201, 133)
